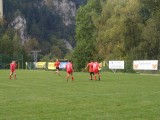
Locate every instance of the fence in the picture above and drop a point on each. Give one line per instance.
(44, 65)
(140, 66)
(5, 60)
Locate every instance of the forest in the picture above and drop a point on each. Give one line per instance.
(117, 30)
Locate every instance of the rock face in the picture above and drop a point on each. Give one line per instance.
(68, 45)
(65, 8)
(19, 23)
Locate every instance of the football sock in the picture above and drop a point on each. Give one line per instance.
(90, 77)
(67, 79)
(72, 78)
(99, 77)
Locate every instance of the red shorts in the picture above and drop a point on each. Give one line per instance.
(69, 71)
(96, 71)
(12, 70)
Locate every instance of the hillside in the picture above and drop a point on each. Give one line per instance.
(51, 23)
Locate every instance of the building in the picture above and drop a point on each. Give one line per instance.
(1, 9)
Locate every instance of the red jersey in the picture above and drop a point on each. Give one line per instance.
(56, 64)
(95, 67)
(90, 65)
(69, 67)
(13, 66)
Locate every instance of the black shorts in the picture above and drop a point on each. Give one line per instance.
(91, 73)
(57, 68)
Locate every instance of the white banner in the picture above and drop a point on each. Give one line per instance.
(63, 65)
(116, 64)
(145, 65)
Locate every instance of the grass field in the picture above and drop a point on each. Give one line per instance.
(42, 95)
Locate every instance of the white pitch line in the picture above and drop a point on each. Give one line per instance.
(151, 74)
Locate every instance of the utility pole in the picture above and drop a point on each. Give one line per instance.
(35, 54)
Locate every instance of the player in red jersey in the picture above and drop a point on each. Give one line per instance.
(56, 64)
(96, 68)
(13, 69)
(69, 70)
(90, 69)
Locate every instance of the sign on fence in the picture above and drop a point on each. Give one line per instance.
(145, 65)
(40, 65)
(62, 65)
(51, 66)
(116, 64)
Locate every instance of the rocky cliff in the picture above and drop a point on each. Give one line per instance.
(43, 17)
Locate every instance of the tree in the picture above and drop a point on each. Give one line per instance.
(110, 30)
(133, 24)
(151, 36)
(119, 29)
(31, 44)
(17, 47)
(85, 34)
(6, 45)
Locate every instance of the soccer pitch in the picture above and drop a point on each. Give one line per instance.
(43, 95)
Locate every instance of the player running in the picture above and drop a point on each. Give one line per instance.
(69, 70)
(13, 69)
(90, 68)
(96, 68)
(56, 64)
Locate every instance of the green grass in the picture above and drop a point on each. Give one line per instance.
(42, 95)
